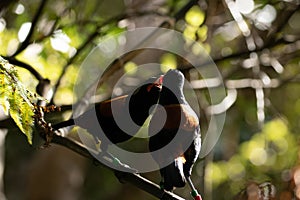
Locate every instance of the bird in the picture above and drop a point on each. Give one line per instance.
(175, 146)
(108, 120)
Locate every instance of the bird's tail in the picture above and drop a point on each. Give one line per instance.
(173, 175)
(63, 124)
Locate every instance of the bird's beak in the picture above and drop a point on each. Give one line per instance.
(157, 83)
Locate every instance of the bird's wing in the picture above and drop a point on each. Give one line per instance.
(169, 121)
(173, 117)
(116, 105)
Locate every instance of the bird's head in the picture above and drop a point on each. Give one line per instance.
(173, 79)
(172, 91)
(149, 92)
(155, 83)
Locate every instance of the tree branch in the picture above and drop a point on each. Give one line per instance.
(291, 9)
(89, 39)
(19, 63)
(124, 177)
(240, 54)
(36, 17)
(146, 185)
(71, 60)
(117, 65)
(52, 29)
(101, 158)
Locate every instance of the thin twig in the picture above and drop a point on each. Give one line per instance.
(24, 65)
(282, 22)
(52, 29)
(34, 22)
(117, 64)
(238, 55)
(89, 40)
(97, 32)
(71, 60)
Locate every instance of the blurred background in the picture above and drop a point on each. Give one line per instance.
(254, 44)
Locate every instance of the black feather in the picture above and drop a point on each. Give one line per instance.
(100, 120)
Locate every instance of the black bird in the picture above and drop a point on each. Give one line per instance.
(177, 145)
(109, 121)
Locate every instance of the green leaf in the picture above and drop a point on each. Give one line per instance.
(22, 113)
(3, 96)
(195, 16)
(16, 99)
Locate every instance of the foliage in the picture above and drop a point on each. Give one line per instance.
(266, 156)
(16, 100)
(254, 44)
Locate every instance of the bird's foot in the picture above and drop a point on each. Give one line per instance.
(195, 195)
(194, 192)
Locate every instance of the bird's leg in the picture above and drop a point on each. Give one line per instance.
(162, 182)
(194, 192)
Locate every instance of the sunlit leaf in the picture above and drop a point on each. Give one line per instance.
(236, 169)
(202, 33)
(3, 96)
(207, 47)
(215, 173)
(130, 68)
(272, 150)
(168, 61)
(195, 16)
(16, 99)
(276, 129)
(22, 113)
(190, 32)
